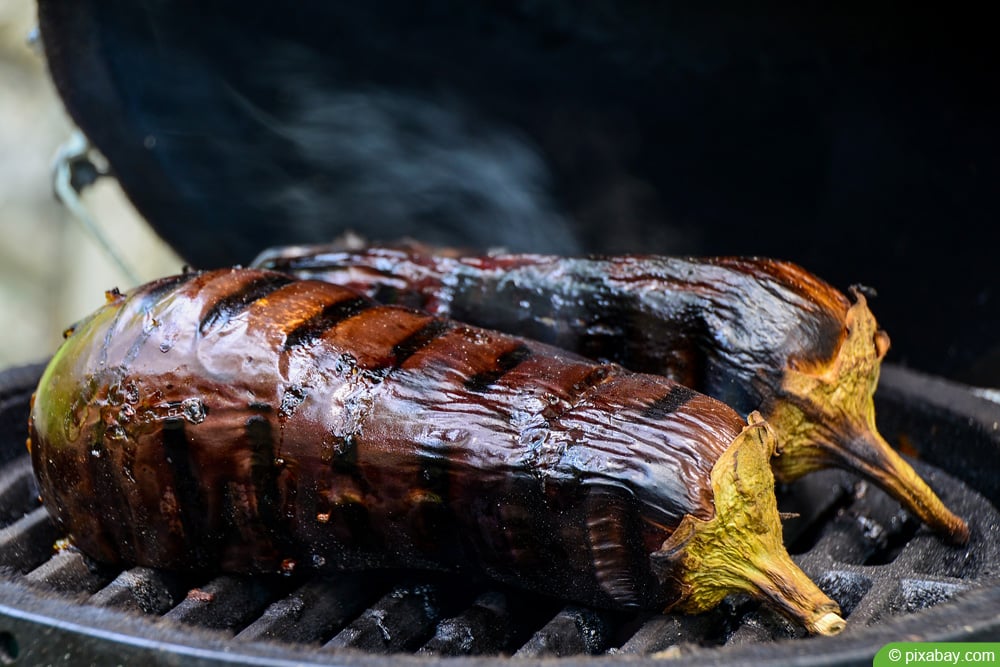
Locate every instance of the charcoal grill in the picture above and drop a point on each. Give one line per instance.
(893, 579)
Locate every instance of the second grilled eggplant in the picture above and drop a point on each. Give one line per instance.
(756, 333)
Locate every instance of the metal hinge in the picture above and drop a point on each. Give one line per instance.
(77, 166)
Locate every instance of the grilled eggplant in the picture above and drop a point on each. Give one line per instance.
(244, 421)
(758, 334)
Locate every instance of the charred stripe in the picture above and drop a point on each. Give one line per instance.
(189, 501)
(387, 294)
(505, 363)
(340, 452)
(113, 510)
(419, 339)
(433, 518)
(671, 402)
(391, 295)
(155, 290)
(312, 328)
(233, 304)
(346, 512)
(264, 476)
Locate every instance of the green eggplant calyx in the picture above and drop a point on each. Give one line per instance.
(825, 415)
(740, 549)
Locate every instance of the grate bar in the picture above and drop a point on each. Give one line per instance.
(665, 631)
(764, 625)
(917, 594)
(28, 542)
(484, 628)
(70, 572)
(846, 540)
(574, 630)
(314, 611)
(400, 621)
(809, 504)
(224, 603)
(847, 588)
(141, 589)
(18, 491)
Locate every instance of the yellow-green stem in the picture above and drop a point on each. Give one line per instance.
(825, 415)
(740, 550)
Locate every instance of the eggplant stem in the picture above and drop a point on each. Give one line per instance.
(740, 549)
(825, 415)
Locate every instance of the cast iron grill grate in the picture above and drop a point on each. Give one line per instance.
(855, 542)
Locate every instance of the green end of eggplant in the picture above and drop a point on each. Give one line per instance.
(740, 550)
(826, 417)
(60, 402)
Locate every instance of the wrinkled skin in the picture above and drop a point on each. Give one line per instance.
(242, 421)
(756, 333)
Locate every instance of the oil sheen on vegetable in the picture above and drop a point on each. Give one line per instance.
(756, 333)
(239, 420)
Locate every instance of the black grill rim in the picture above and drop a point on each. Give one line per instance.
(53, 628)
(41, 625)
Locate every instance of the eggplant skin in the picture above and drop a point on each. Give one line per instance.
(242, 421)
(759, 334)
(727, 326)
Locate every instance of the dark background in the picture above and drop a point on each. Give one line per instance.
(860, 141)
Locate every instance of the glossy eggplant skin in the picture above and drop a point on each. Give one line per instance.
(756, 333)
(243, 421)
(728, 326)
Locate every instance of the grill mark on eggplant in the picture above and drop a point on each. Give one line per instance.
(419, 339)
(668, 403)
(233, 304)
(386, 294)
(187, 501)
(160, 287)
(432, 524)
(505, 363)
(109, 499)
(264, 480)
(312, 328)
(347, 515)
